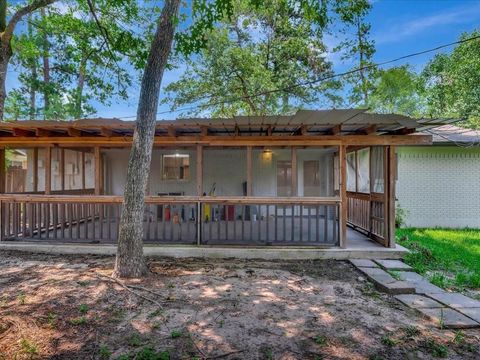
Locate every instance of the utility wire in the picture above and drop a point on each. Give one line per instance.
(311, 82)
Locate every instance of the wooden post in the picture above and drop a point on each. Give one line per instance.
(294, 171)
(199, 170)
(342, 158)
(35, 169)
(83, 169)
(249, 171)
(392, 169)
(98, 171)
(48, 170)
(62, 169)
(2, 171)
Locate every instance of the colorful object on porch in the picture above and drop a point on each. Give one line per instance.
(311, 210)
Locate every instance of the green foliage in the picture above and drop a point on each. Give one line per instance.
(436, 349)
(258, 50)
(149, 353)
(449, 257)
(400, 216)
(83, 308)
(105, 352)
(397, 90)
(452, 82)
(82, 320)
(28, 347)
(176, 334)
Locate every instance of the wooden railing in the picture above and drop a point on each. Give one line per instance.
(367, 212)
(174, 220)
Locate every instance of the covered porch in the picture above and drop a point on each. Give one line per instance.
(317, 179)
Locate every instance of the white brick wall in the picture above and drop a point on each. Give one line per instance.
(439, 185)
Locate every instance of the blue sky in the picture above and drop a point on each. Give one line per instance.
(399, 27)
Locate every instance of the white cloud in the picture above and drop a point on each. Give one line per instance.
(402, 30)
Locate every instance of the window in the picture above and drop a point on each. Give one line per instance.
(358, 171)
(176, 167)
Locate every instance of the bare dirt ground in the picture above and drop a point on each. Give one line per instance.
(67, 307)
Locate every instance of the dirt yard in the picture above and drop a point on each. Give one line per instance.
(67, 307)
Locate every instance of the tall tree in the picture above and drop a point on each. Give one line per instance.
(358, 48)
(257, 51)
(7, 28)
(397, 90)
(452, 82)
(129, 261)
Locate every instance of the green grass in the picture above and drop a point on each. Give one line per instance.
(449, 257)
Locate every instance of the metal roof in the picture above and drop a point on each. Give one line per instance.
(451, 134)
(305, 122)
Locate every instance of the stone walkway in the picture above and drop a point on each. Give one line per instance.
(448, 310)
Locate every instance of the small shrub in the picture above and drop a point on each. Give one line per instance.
(388, 341)
(320, 340)
(83, 308)
(176, 334)
(104, 352)
(28, 347)
(82, 320)
(51, 320)
(149, 353)
(459, 337)
(411, 331)
(436, 349)
(135, 340)
(400, 216)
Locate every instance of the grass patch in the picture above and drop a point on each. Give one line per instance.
(448, 257)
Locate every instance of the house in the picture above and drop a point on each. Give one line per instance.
(439, 185)
(276, 182)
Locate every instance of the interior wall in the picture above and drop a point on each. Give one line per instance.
(227, 168)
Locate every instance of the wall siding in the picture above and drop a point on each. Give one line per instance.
(439, 186)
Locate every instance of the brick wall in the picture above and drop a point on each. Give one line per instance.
(439, 185)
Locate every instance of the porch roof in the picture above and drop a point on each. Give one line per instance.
(304, 128)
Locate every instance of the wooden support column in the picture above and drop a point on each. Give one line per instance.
(392, 169)
(35, 170)
(83, 169)
(48, 170)
(249, 171)
(199, 170)
(98, 171)
(3, 171)
(294, 172)
(62, 169)
(342, 158)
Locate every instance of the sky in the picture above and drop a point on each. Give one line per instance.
(399, 27)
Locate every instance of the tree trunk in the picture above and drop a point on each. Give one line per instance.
(129, 261)
(5, 54)
(80, 85)
(46, 68)
(33, 80)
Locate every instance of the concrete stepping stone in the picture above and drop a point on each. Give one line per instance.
(385, 282)
(472, 313)
(393, 265)
(455, 300)
(418, 301)
(448, 318)
(363, 263)
(422, 285)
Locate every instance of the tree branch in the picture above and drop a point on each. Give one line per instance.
(34, 5)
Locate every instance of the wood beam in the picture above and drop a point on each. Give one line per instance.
(237, 130)
(302, 130)
(35, 169)
(74, 132)
(107, 132)
(269, 130)
(274, 140)
(342, 158)
(372, 129)
(249, 171)
(23, 132)
(98, 170)
(199, 170)
(3, 171)
(294, 171)
(62, 169)
(48, 170)
(83, 170)
(392, 168)
(204, 130)
(335, 130)
(44, 132)
(172, 131)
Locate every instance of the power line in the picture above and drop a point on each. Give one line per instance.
(311, 82)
